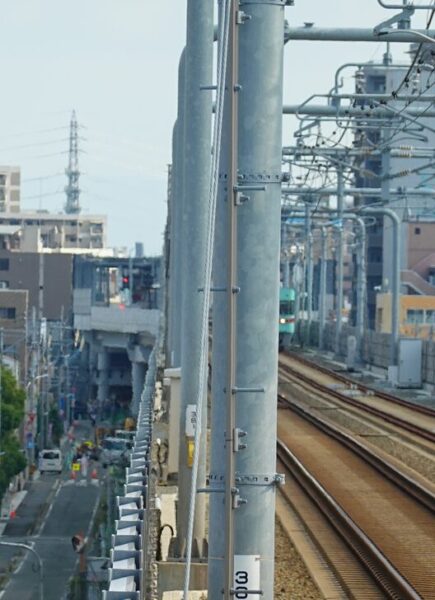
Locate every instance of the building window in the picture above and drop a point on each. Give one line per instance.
(417, 230)
(7, 313)
(415, 316)
(4, 285)
(430, 317)
(4, 264)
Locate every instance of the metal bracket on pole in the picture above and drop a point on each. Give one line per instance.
(261, 479)
(241, 198)
(237, 500)
(237, 390)
(242, 17)
(210, 490)
(401, 18)
(237, 435)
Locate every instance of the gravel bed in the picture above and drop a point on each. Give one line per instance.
(415, 459)
(292, 580)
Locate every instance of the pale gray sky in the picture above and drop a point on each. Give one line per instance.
(115, 62)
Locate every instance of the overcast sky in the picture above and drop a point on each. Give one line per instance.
(115, 63)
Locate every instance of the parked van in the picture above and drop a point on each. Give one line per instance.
(50, 461)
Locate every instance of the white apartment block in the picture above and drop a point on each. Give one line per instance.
(40, 231)
(10, 178)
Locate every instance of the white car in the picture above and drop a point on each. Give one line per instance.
(50, 460)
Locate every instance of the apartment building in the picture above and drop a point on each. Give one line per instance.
(10, 179)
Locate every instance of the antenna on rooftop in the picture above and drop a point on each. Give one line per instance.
(72, 190)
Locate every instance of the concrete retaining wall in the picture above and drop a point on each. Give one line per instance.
(376, 346)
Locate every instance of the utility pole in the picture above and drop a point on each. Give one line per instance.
(197, 169)
(179, 245)
(1, 386)
(309, 271)
(339, 254)
(33, 373)
(322, 291)
(251, 408)
(361, 287)
(232, 499)
(217, 510)
(285, 256)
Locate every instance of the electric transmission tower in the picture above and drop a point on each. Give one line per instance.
(72, 190)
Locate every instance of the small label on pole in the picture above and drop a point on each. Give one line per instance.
(246, 576)
(190, 420)
(190, 453)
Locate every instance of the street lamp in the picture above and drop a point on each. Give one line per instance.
(38, 558)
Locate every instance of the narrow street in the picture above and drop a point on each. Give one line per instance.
(54, 509)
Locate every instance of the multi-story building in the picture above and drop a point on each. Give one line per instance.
(10, 189)
(13, 323)
(41, 230)
(48, 279)
(386, 79)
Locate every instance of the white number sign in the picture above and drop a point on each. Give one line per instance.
(246, 576)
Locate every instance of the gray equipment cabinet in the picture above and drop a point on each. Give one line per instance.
(409, 364)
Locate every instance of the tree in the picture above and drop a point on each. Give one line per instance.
(12, 460)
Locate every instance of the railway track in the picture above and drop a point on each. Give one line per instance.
(360, 385)
(370, 514)
(374, 528)
(417, 420)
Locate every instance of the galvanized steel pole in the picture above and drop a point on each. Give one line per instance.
(179, 242)
(197, 164)
(322, 291)
(361, 287)
(396, 274)
(339, 254)
(258, 252)
(216, 531)
(231, 499)
(309, 272)
(172, 234)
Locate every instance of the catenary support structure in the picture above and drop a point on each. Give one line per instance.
(197, 164)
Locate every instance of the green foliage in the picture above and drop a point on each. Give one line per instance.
(12, 462)
(12, 412)
(12, 405)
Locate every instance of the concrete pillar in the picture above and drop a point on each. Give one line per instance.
(197, 163)
(103, 378)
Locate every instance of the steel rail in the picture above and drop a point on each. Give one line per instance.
(389, 579)
(397, 421)
(362, 386)
(406, 483)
